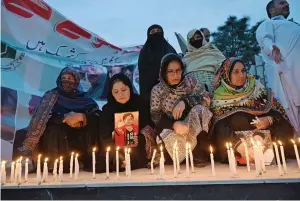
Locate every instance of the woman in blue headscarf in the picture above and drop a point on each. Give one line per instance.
(65, 121)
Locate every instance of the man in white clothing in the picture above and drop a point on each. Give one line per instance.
(279, 40)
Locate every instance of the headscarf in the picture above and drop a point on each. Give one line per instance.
(57, 102)
(190, 36)
(252, 97)
(150, 57)
(206, 58)
(164, 67)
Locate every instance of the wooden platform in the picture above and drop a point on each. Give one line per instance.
(143, 185)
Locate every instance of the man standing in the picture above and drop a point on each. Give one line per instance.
(279, 40)
(206, 34)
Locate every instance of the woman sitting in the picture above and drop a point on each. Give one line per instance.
(65, 121)
(140, 138)
(202, 59)
(176, 109)
(241, 103)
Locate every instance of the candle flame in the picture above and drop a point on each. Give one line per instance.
(293, 141)
(94, 149)
(230, 145)
(187, 145)
(227, 145)
(279, 143)
(61, 158)
(118, 148)
(72, 153)
(21, 158)
(39, 157)
(211, 149)
(77, 155)
(129, 151)
(299, 139)
(108, 148)
(56, 160)
(13, 162)
(161, 148)
(46, 159)
(27, 160)
(154, 150)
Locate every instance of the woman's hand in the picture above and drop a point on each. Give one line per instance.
(262, 123)
(73, 119)
(207, 101)
(178, 110)
(181, 128)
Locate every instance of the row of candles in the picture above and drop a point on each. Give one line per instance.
(16, 167)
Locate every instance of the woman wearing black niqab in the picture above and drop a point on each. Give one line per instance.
(150, 57)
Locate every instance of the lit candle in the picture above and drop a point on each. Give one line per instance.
(71, 164)
(213, 171)
(187, 164)
(296, 152)
(129, 162)
(17, 172)
(126, 162)
(229, 157)
(55, 170)
(38, 170)
(233, 163)
(3, 172)
(256, 158)
(177, 160)
(191, 158)
(45, 171)
(107, 163)
(278, 159)
(262, 158)
(61, 169)
(12, 172)
(152, 161)
(174, 159)
(283, 157)
(94, 162)
(161, 163)
(117, 161)
(247, 156)
(26, 170)
(20, 171)
(76, 167)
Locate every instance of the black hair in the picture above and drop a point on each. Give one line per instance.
(127, 115)
(269, 6)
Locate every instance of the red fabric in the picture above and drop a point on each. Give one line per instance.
(120, 135)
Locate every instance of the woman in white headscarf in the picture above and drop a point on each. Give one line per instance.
(202, 59)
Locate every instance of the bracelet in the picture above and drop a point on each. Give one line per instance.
(270, 119)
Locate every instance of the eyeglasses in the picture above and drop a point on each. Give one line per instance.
(175, 72)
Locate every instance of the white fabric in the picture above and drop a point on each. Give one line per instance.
(284, 79)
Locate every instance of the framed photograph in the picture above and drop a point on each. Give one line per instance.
(263, 136)
(126, 129)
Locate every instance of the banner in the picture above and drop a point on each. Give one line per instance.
(37, 43)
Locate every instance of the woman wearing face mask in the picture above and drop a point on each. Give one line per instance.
(150, 56)
(122, 99)
(179, 110)
(65, 121)
(238, 100)
(202, 59)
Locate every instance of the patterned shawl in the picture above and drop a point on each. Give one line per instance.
(252, 98)
(208, 57)
(74, 101)
(165, 97)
